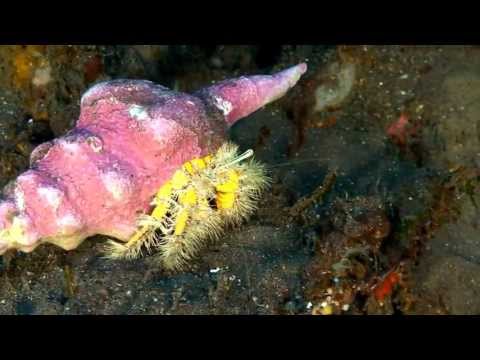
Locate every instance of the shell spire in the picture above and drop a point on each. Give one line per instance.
(237, 98)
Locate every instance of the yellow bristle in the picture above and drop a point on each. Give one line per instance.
(179, 180)
(132, 249)
(225, 200)
(188, 197)
(198, 164)
(181, 222)
(231, 185)
(207, 159)
(160, 211)
(114, 250)
(188, 168)
(165, 191)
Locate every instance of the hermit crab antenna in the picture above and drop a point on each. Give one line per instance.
(244, 156)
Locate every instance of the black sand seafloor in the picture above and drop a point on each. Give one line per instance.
(373, 209)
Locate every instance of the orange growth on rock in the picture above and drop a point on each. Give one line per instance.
(25, 60)
(397, 131)
(385, 288)
(23, 68)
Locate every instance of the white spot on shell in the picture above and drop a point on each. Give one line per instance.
(52, 196)
(138, 112)
(222, 104)
(162, 129)
(115, 184)
(20, 199)
(68, 220)
(70, 147)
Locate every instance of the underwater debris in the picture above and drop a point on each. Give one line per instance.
(443, 208)
(298, 209)
(322, 309)
(27, 60)
(47, 81)
(195, 205)
(347, 258)
(70, 282)
(355, 268)
(349, 265)
(317, 99)
(335, 86)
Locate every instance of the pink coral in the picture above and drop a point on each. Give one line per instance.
(130, 138)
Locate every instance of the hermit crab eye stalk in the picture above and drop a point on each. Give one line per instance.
(195, 206)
